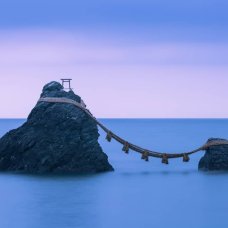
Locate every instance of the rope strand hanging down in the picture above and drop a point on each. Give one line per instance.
(129, 146)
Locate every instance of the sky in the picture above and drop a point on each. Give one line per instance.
(127, 59)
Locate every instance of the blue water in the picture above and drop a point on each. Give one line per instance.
(137, 194)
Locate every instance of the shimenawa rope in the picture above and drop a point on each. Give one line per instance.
(145, 153)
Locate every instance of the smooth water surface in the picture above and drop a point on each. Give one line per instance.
(137, 194)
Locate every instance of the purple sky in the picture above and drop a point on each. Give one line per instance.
(124, 61)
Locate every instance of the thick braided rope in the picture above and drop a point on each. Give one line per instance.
(127, 145)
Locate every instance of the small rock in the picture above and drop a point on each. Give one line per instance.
(215, 158)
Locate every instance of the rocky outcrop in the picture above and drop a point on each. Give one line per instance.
(56, 138)
(215, 158)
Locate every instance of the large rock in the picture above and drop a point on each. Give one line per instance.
(216, 157)
(56, 138)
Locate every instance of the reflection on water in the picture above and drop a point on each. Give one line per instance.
(137, 194)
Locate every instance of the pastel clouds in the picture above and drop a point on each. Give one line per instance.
(152, 79)
(57, 47)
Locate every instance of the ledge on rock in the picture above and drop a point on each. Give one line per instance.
(215, 158)
(56, 138)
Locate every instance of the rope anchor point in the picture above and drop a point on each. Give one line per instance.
(145, 156)
(186, 158)
(165, 159)
(109, 136)
(126, 147)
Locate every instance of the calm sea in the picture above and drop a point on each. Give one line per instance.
(138, 194)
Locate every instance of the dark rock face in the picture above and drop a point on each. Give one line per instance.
(56, 138)
(215, 158)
